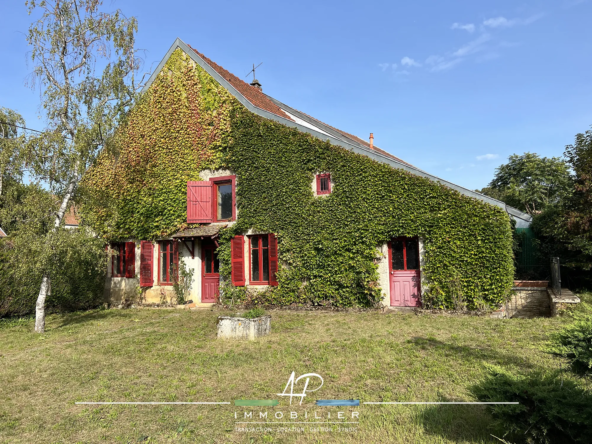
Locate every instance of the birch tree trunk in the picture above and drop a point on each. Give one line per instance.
(83, 108)
(46, 281)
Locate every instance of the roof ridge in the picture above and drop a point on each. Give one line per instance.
(252, 94)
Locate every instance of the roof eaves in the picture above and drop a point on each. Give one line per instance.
(348, 144)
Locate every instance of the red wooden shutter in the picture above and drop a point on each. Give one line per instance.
(199, 202)
(175, 270)
(273, 260)
(130, 259)
(238, 260)
(146, 258)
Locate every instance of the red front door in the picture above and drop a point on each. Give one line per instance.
(404, 272)
(210, 282)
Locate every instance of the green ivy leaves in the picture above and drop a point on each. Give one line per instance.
(187, 122)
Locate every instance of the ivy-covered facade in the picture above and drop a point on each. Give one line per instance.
(212, 183)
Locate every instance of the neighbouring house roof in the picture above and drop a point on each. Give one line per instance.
(204, 231)
(71, 218)
(262, 104)
(2, 233)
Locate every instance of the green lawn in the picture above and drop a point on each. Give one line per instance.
(168, 355)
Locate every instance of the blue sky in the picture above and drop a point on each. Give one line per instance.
(451, 87)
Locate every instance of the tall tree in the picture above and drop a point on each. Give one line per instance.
(579, 207)
(12, 140)
(85, 64)
(530, 183)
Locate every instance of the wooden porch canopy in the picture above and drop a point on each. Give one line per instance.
(204, 232)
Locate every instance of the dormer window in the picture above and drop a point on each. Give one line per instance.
(323, 184)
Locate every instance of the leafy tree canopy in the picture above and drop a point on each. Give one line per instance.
(530, 183)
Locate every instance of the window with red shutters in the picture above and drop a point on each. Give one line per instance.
(199, 202)
(323, 183)
(130, 259)
(146, 258)
(237, 258)
(273, 260)
(118, 268)
(212, 201)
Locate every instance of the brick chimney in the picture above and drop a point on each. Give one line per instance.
(371, 141)
(256, 84)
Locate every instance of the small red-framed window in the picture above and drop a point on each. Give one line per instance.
(324, 183)
(223, 198)
(405, 254)
(168, 262)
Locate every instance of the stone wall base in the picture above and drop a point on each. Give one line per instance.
(528, 302)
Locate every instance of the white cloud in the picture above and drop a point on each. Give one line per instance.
(499, 22)
(488, 157)
(473, 46)
(502, 22)
(384, 66)
(468, 27)
(406, 61)
(445, 65)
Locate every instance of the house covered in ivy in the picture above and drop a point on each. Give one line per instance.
(233, 194)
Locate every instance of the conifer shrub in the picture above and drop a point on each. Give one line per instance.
(574, 342)
(552, 409)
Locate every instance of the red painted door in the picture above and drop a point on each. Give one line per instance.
(404, 272)
(210, 282)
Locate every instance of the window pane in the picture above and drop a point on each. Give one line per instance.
(264, 241)
(412, 254)
(255, 260)
(216, 263)
(117, 261)
(324, 184)
(171, 266)
(163, 263)
(224, 201)
(208, 253)
(265, 270)
(398, 263)
(121, 257)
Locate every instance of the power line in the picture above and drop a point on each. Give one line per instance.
(21, 127)
(28, 129)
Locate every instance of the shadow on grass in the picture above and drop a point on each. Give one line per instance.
(81, 317)
(473, 353)
(456, 423)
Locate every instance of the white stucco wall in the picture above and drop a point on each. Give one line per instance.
(120, 288)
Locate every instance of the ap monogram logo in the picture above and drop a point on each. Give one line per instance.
(306, 380)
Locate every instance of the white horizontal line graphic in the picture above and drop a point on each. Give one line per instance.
(454, 403)
(149, 403)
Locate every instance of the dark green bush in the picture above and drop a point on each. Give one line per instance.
(551, 409)
(75, 260)
(574, 342)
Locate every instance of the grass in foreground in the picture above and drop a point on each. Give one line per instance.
(165, 355)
